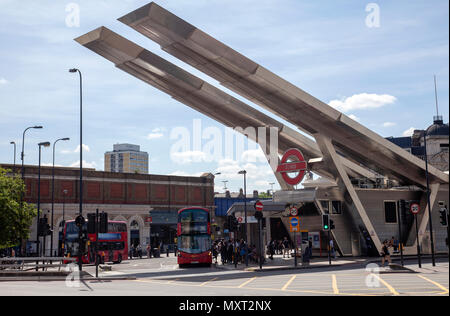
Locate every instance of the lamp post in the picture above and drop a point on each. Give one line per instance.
(23, 148)
(53, 190)
(14, 165)
(63, 220)
(73, 70)
(45, 144)
(244, 172)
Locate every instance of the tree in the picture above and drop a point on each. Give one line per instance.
(15, 217)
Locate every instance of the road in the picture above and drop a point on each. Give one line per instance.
(162, 277)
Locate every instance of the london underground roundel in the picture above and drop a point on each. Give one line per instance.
(292, 162)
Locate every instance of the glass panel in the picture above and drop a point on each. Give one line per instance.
(194, 216)
(390, 211)
(336, 207)
(194, 244)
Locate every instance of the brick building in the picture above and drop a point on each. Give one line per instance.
(124, 196)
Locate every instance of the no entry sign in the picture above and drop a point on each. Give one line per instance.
(259, 206)
(292, 161)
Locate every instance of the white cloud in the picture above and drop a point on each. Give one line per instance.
(362, 101)
(76, 150)
(354, 117)
(229, 169)
(185, 174)
(156, 133)
(409, 131)
(85, 164)
(389, 124)
(3, 81)
(186, 157)
(253, 155)
(85, 148)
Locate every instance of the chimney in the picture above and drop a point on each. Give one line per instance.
(255, 194)
(227, 194)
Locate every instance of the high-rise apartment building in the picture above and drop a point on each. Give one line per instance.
(126, 158)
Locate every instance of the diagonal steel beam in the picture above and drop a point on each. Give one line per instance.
(263, 87)
(202, 96)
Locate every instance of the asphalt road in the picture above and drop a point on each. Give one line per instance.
(162, 277)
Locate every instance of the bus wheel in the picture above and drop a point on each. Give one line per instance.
(119, 259)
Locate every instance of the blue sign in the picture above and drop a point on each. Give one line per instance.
(294, 221)
(226, 231)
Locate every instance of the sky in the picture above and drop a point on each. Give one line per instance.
(374, 61)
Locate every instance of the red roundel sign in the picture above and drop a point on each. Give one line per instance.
(259, 206)
(414, 208)
(292, 161)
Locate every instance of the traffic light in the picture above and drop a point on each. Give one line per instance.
(44, 227)
(92, 221)
(332, 224)
(444, 216)
(80, 221)
(103, 229)
(258, 215)
(326, 222)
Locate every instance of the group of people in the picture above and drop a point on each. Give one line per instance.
(279, 247)
(233, 251)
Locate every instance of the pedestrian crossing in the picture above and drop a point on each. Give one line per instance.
(343, 284)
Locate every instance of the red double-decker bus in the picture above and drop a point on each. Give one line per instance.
(112, 246)
(194, 236)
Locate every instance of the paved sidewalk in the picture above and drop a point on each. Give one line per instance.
(280, 263)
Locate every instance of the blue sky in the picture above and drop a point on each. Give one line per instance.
(381, 76)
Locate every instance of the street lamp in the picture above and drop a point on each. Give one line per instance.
(73, 70)
(53, 190)
(244, 172)
(45, 144)
(23, 148)
(14, 165)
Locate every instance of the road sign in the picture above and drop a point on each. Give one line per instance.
(414, 208)
(294, 223)
(258, 210)
(292, 161)
(259, 206)
(294, 211)
(239, 219)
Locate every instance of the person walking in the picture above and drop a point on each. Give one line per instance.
(332, 250)
(385, 255)
(139, 251)
(271, 249)
(132, 251)
(286, 247)
(149, 251)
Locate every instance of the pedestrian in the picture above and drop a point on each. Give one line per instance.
(139, 251)
(310, 244)
(215, 251)
(395, 244)
(271, 249)
(223, 252)
(132, 251)
(332, 250)
(149, 251)
(230, 252)
(286, 247)
(385, 255)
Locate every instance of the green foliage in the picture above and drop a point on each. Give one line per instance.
(264, 195)
(15, 219)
